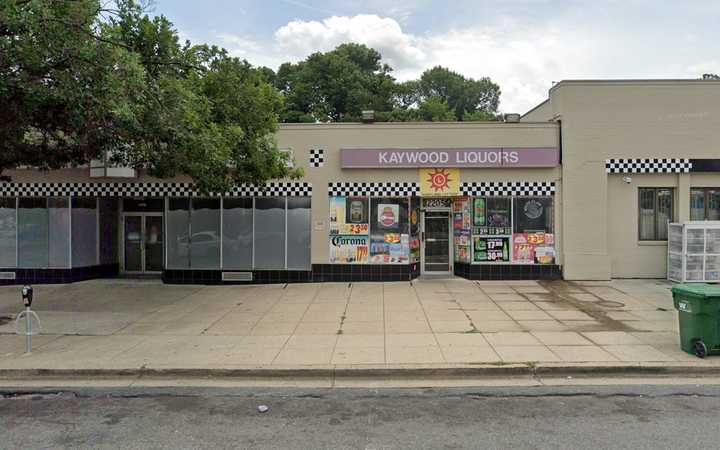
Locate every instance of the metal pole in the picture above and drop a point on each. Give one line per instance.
(28, 336)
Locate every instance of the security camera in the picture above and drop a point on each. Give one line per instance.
(628, 180)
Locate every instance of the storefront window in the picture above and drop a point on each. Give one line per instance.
(59, 229)
(389, 230)
(462, 227)
(237, 233)
(205, 237)
(32, 233)
(8, 232)
(705, 204)
(270, 233)
(492, 229)
(655, 212)
(518, 230)
(349, 230)
(533, 230)
(298, 235)
(84, 232)
(178, 233)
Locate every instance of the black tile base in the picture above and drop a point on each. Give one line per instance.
(58, 276)
(319, 273)
(508, 271)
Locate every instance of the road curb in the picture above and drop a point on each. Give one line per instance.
(373, 372)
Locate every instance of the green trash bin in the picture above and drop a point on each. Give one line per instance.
(698, 308)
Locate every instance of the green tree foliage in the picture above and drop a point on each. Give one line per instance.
(335, 86)
(77, 81)
(465, 96)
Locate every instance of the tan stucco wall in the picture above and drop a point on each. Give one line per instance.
(330, 138)
(541, 113)
(623, 119)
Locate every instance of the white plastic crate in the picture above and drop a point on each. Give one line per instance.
(694, 251)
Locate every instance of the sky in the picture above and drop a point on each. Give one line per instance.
(523, 45)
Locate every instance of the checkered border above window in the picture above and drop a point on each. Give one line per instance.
(390, 189)
(509, 189)
(317, 157)
(650, 165)
(271, 189)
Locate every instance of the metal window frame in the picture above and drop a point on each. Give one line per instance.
(656, 220)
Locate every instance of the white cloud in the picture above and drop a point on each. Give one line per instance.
(301, 38)
(524, 58)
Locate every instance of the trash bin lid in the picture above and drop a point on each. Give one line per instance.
(702, 290)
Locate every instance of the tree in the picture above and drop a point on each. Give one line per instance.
(335, 86)
(463, 95)
(78, 81)
(435, 109)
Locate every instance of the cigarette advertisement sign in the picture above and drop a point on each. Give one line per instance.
(349, 249)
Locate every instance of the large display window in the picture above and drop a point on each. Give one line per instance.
(371, 230)
(8, 232)
(509, 230)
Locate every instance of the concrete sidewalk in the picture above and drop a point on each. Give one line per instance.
(128, 324)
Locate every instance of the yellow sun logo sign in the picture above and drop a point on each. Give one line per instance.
(439, 181)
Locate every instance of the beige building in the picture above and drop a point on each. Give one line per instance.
(582, 187)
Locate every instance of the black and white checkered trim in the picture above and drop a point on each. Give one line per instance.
(648, 165)
(271, 189)
(508, 189)
(317, 157)
(342, 189)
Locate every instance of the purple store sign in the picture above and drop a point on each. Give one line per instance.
(358, 158)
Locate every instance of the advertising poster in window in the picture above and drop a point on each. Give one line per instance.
(392, 248)
(491, 249)
(349, 215)
(388, 216)
(414, 249)
(534, 248)
(349, 249)
(479, 212)
(533, 214)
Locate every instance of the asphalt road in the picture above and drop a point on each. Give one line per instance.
(358, 421)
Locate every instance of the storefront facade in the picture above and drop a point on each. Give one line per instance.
(581, 188)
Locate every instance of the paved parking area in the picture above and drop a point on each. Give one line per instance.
(131, 324)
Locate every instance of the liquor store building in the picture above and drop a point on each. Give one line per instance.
(582, 187)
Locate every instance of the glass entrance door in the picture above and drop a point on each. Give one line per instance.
(143, 243)
(436, 242)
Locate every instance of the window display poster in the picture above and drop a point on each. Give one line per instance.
(414, 250)
(337, 213)
(533, 214)
(479, 212)
(389, 249)
(348, 215)
(388, 216)
(356, 210)
(493, 249)
(458, 221)
(350, 249)
(533, 248)
(498, 212)
(467, 214)
(462, 253)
